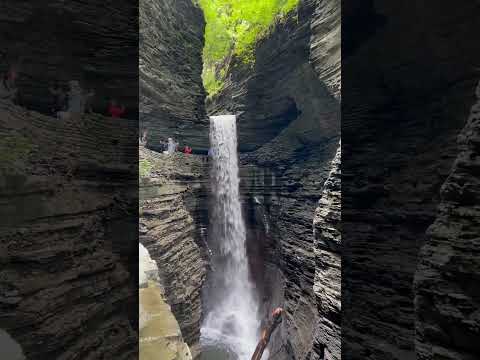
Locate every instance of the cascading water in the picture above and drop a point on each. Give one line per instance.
(232, 318)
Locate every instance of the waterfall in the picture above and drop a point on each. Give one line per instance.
(232, 317)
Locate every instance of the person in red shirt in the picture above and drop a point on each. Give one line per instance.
(114, 110)
(187, 150)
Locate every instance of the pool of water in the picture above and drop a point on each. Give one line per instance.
(216, 353)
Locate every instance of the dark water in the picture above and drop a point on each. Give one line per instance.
(216, 353)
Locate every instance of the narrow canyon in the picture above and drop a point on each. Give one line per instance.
(287, 109)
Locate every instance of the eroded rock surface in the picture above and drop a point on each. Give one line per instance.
(93, 42)
(159, 333)
(65, 235)
(446, 282)
(171, 90)
(328, 262)
(325, 48)
(169, 195)
(398, 145)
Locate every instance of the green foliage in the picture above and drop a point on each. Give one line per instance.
(14, 151)
(233, 28)
(145, 167)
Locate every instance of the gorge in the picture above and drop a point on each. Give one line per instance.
(364, 230)
(287, 107)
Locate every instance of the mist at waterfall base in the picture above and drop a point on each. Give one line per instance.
(231, 327)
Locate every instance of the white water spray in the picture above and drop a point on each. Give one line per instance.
(232, 319)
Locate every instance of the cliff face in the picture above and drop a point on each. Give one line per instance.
(398, 148)
(325, 48)
(95, 43)
(288, 125)
(448, 271)
(169, 199)
(171, 91)
(66, 288)
(328, 274)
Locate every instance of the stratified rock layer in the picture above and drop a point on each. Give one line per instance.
(169, 195)
(171, 90)
(447, 278)
(403, 105)
(65, 235)
(328, 274)
(325, 48)
(93, 42)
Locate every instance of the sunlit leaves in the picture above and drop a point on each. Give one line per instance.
(233, 28)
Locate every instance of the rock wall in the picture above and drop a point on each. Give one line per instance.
(67, 288)
(328, 262)
(169, 195)
(325, 48)
(159, 333)
(446, 295)
(288, 126)
(93, 42)
(403, 105)
(171, 90)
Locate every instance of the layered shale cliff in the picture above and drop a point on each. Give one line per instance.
(172, 105)
(171, 91)
(171, 192)
(398, 145)
(328, 261)
(288, 125)
(446, 282)
(93, 42)
(66, 190)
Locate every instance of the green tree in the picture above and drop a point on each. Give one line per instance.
(233, 28)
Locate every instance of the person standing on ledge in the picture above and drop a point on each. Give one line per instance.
(59, 97)
(171, 146)
(8, 90)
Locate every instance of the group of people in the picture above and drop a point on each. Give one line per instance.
(172, 146)
(67, 102)
(74, 102)
(169, 147)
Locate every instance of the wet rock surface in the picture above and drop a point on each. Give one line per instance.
(446, 290)
(170, 196)
(67, 288)
(328, 262)
(171, 90)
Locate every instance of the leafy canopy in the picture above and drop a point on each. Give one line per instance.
(233, 28)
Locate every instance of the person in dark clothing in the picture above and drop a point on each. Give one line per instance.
(8, 90)
(59, 101)
(89, 101)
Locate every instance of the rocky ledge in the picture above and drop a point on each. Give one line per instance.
(171, 188)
